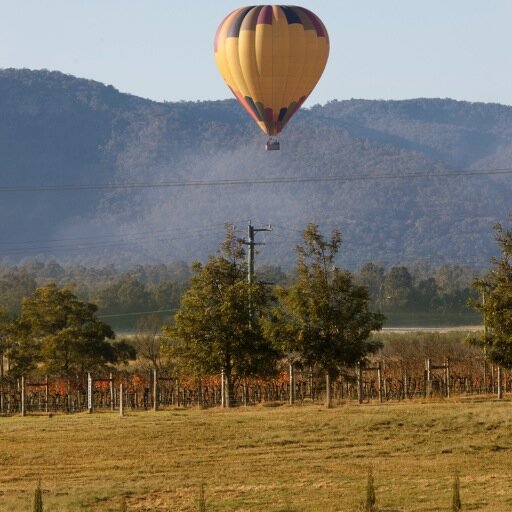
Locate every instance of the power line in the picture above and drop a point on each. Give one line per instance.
(118, 315)
(259, 181)
(9, 251)
(113, 235)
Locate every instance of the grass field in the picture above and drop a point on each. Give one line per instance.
(302, 458)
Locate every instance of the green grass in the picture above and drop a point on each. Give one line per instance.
(292, 459)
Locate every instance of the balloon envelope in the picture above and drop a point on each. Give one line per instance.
(271, 57)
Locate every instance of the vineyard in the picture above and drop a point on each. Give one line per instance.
(378, 380)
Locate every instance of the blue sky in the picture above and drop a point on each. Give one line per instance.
(389, 49)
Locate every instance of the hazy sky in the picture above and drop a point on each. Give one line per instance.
(163, 49)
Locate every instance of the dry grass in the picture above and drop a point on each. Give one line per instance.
(286, 459)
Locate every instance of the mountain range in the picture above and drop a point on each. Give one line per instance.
(92, 175)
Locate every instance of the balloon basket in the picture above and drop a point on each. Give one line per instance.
(272, 145)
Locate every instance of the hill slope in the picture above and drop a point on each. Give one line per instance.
(57, 130)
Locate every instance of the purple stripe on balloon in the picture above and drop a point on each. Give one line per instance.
(269, 114)
(265, 16)
(319, 27)
(251, 19)
(236, 23)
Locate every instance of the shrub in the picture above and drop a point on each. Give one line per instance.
(456, 503)
(371, 500)
(38, 498)
(202, 501)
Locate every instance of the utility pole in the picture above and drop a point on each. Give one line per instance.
(251, 230)
(485, 341)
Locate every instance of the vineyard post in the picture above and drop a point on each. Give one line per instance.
(177, 391)
(429, 378)
(89, 393)
(292, 384)
(121, 405)
(328, 403)
(246, 394)
(379, 377)
(448, 384)
(425, 379)
(500, 392)
(155, 389)
(222, 389)
(199, 392)
(359, 373)
(23, 405)
(311, 393)
(46, 394)
(384, 381)
(111, 386)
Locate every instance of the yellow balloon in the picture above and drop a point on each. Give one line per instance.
(271, 57)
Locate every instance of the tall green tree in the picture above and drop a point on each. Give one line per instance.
(14, 286)
(372, 275)
(124, 295)
(398, 286)
(323, 317)
(62, 335)
(495, 290)
(218, 326)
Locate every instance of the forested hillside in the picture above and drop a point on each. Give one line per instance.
(58, 131)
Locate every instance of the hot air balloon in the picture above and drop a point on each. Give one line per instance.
(271, 57)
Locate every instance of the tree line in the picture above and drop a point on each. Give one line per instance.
(404, 294)
(320, 317)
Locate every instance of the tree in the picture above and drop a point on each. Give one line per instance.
(323, 316)
(371, 275)
(218, 325)
(167, 294)
(14, 286)
(148, 342)
(398, 286)
(496, 302)
(425, 296)
(63, 334)
(125, 295)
